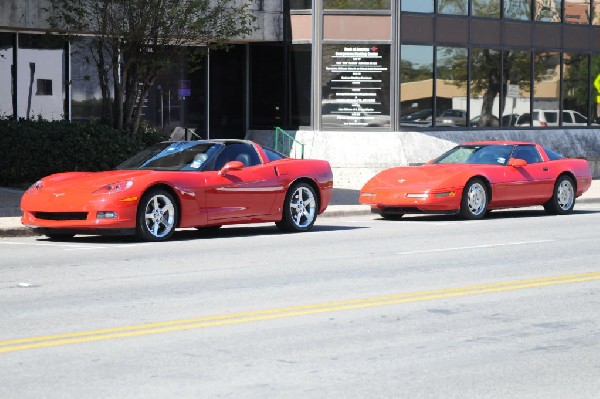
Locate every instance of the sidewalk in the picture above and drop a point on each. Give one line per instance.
(344, 203)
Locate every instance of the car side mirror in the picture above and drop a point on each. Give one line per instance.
(517, 163)
(229, 166)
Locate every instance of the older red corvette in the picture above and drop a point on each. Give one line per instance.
(182, 184)
(474, 178)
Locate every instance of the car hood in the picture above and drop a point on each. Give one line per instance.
(421, 178)
(89, 181)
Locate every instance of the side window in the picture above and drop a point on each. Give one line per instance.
(580, 118)
(273, 155)
(528, 153)
(245, 153)
(567, 118)
(551, 117)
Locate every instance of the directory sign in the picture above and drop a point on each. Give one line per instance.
(356, 86)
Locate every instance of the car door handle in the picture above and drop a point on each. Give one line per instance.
(545, 169)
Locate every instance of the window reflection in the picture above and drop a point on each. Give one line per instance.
(596, 13)
(425, 6)
(486, 81)
(575, 89)
(548, 10)
(454, 7)
(300, 4)
(595, 75)
(517, 87)
(546, 89)
(416, 86)
(40, 57)
(577, 11)
(451, 86)
(486, 8)
(6, 82)
(357, 4)
(517, 9)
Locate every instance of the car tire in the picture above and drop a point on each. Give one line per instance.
(563, 197)
(392, 216)
(59, 237)
(473, 204)
(157, 215)
(300, 209)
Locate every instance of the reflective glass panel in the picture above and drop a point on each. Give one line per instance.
(451, 87)
(548, 10)
(517, 87)
(416, 86)
(486, 8)
(356, 86)
(454, 7)
(517, 9)
(300, 4)
(6, 81)
(425, 6)
(486, 81)
(596, 13)
(41, 61)
(356, 4)
(595, 77)
(577, 11)
(546, 89)
(575, 89)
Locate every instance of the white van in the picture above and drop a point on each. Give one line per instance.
(549, 117)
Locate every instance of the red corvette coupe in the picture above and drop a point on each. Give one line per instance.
(182, 184)
(474, 178)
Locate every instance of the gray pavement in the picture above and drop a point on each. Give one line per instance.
(344, 203)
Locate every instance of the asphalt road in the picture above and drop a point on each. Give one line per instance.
(428, 306)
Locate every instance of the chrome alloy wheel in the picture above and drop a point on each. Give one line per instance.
(565, 195)
(303, 207)
(159, 216)
(476, 199)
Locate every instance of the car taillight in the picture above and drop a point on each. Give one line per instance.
(543, 124)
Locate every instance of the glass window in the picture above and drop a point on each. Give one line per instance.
(425, 6)
(41, 57)
(416, 86)
(595, 72)
(300, 4)
(454, 7)
(300, 84)
(575, 86)
(548, 10)
(596, 13)
(546, 88)
(356, 86)
(517, 83)
(486, 80)
(451, 87)
(91, 85)
(577, 11)
(528, 153)
(486, 8)
(517, 9)
(6, 79)
(266, 85)
(357, 4)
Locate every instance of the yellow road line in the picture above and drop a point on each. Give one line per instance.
(14, 345)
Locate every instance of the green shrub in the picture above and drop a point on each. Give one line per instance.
(30, 150)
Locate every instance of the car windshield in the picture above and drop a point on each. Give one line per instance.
(179, 155)
(477, 154)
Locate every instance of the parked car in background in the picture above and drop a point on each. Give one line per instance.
(550, 117)
(452, 117)
(507, 120)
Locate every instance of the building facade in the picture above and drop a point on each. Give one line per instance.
(366, 84)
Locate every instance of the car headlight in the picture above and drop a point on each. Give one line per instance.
(37, 186)
(115, 187)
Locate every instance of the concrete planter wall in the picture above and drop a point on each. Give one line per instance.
(357, 156)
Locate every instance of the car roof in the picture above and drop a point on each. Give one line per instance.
(498, 143)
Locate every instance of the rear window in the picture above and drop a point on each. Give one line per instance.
(273, 155)
(553, 156)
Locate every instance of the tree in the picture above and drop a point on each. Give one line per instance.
(135, 40)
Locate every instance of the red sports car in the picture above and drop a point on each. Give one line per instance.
(182, 184)
(474, 178)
